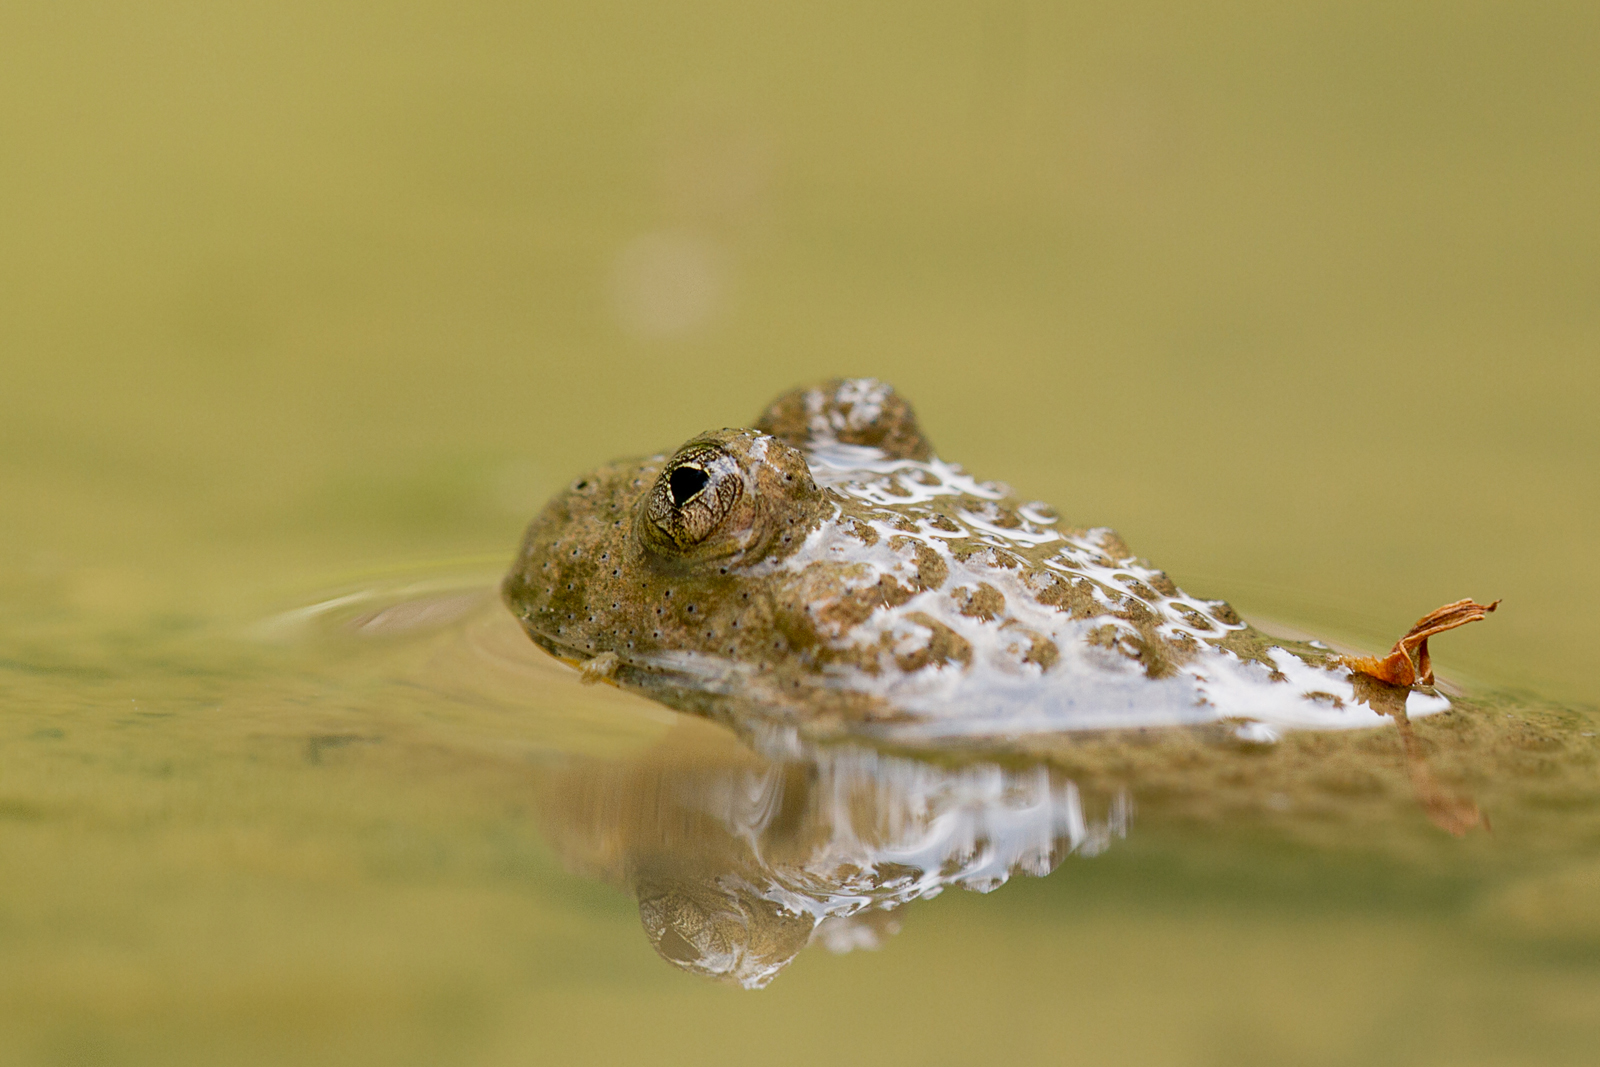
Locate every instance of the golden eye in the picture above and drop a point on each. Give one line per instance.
(694, 494)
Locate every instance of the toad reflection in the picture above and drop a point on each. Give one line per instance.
(739, 862)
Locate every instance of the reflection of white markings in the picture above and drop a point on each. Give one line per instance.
(668, 282)
(895, 830)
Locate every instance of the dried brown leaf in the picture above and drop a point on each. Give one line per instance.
(1408, 663)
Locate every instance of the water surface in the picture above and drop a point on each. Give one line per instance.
(303, 312)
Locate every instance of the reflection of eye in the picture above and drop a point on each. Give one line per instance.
(694, 494)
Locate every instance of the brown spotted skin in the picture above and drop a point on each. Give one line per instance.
(826, 568)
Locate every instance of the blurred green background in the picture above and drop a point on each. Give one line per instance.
(1306, 303)
(1304, 300)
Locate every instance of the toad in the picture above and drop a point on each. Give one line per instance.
(825, 571)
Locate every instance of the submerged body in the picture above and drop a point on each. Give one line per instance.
(825, 570)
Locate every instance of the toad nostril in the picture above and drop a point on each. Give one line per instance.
(685, 482)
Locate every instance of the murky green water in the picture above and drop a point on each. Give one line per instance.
(304, 311)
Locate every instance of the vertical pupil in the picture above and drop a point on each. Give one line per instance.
(685, 482)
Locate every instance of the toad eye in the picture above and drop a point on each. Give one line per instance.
(694, 494)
